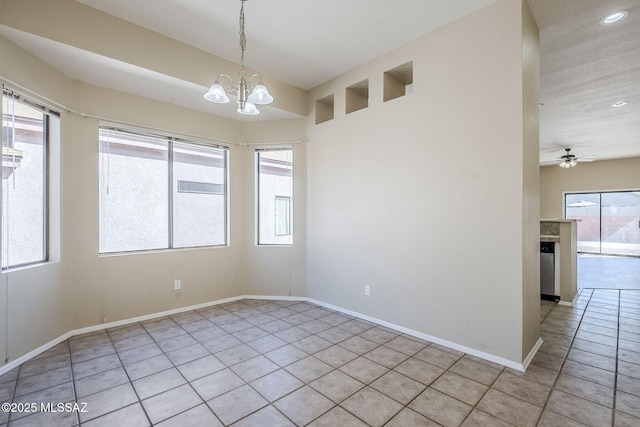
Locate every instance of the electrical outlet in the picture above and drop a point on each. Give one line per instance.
(177, 284)
(367, 290)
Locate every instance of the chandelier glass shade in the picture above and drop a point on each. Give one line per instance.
(247, 96)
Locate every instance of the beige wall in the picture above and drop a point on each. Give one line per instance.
(621, 174)
(276, 270)
(422, 197)
(531, 183)
(35, 303)
(383, 197)
(81, 288)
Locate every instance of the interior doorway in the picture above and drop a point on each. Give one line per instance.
(609, 221)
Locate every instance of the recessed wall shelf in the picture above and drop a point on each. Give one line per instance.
(398, 81)
(357, 96)
(324, 109)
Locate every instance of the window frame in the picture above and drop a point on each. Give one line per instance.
(46, 179)
(601, 207)
(257, 152)
(288, 204)
(171, 188)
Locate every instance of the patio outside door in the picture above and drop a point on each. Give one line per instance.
(610, 221)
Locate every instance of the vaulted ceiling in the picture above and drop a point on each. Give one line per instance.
(585, 66)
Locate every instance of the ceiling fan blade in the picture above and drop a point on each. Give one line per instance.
(585, 158)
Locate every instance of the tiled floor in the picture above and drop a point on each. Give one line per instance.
(285, 363)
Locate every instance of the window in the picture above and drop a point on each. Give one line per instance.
(609, 221)
(24, 181)
(274, 196)
(159, 193)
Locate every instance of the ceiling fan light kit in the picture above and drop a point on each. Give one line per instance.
(248, 97)
(569, 161)
(568, 164)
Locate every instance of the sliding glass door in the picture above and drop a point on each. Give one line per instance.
(609, 221)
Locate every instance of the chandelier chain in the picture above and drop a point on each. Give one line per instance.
(248, 96)
(243, 38)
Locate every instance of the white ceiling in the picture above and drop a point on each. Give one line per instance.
(303, 42)
(585, 67)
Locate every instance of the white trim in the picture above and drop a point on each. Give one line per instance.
(103, 326)
(531, 355)
(123, 322)
(276, 298)
(273, 146)
(34, 353)
(570, 304)
(163, 133)
(468, 350)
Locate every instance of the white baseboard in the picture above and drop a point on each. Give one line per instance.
(102, 326)
(34, 353)
(531, 354)
(572, 303)
(274, 298)
(482, 355)
(123, 322)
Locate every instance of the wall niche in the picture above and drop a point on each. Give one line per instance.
(357, 96)
(398, 81)
(324, 109)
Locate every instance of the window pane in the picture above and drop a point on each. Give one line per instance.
(610, 221)
(275, 193)
(24, 185)
(283, 216)
(134, 200)
(199, 187)
(585, 207)
(621, 223)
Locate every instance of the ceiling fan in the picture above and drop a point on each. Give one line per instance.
(569, 160)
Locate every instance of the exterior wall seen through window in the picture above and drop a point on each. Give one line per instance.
(274, 169)
(24, 182)
(159, 193)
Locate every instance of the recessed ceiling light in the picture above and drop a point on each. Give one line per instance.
(614, 17)
(619, 104)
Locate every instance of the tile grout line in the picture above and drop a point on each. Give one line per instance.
(73, 379)
(305, 384)
(269, 403)
(615, 378)
(128, 377)
(211, 354)
(564, 360)
(366, 385)
(15, 387)
(182, 323)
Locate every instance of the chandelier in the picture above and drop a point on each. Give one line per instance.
(248, 97)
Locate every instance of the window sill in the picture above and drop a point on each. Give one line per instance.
(41, 264)
(160, 251)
